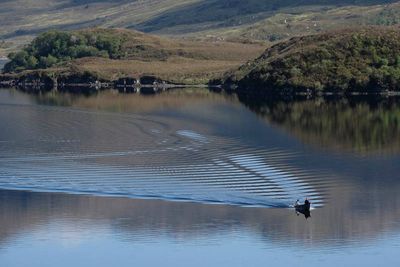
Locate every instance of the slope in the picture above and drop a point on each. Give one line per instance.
(270, 20)
(356, 59)
(113, 53)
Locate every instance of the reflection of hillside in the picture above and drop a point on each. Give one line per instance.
(25, 211)
(364, 191)
(116, 102)
(358, 124)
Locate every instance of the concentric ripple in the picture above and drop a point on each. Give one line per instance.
(105, 153)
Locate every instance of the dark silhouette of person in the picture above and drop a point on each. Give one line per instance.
(304, 209)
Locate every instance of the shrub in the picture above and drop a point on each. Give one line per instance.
(53, 47)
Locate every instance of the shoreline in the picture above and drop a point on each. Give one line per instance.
(86, 83)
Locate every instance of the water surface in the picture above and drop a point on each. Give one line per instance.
(197, 178)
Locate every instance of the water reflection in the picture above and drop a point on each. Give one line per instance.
(112, 100)
(363, 124)
(193, 145)
(130, 219)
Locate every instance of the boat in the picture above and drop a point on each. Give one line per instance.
(303, 208)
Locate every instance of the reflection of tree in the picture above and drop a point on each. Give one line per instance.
(361, 124)
(111, 100)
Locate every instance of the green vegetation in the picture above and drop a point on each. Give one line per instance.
(4, 44)
(54, 47)
(234, 13)
(251, 20)
(109, 54)
(388, 16)
(362, 59)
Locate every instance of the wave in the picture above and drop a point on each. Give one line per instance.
(144, 157)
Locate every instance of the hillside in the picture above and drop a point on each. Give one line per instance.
(360, 59)
(22, 20)
(304, 21)
(113, 53)
(271, 20)
(217, 14)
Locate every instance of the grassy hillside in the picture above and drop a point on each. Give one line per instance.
(113, 53)
(54, 47)
(270, 20)
(295, 22)
(22, 20)
(349, 60)
(228, 13)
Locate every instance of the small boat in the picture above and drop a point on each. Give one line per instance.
(303, 208)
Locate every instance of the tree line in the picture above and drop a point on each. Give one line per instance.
(53, 47)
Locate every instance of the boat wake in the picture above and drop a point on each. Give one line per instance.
(132, 156)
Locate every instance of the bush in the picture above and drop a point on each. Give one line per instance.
(362, 59)
(53, 47)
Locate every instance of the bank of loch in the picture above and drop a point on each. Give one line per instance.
(343, 61)
(106, 55)
(351, 60)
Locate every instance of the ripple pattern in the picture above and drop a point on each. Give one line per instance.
(81, 151)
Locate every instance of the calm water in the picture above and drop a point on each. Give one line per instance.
(195, 178)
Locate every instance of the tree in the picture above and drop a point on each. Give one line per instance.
(46, 62)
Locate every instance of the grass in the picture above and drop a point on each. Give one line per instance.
(216, 24)
(355, 59)
(21, 20)
(177, 61)
(294, 22)
(175, 70)
(191, 62)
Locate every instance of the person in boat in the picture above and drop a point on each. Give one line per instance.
(303, 208)
(307, 203)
